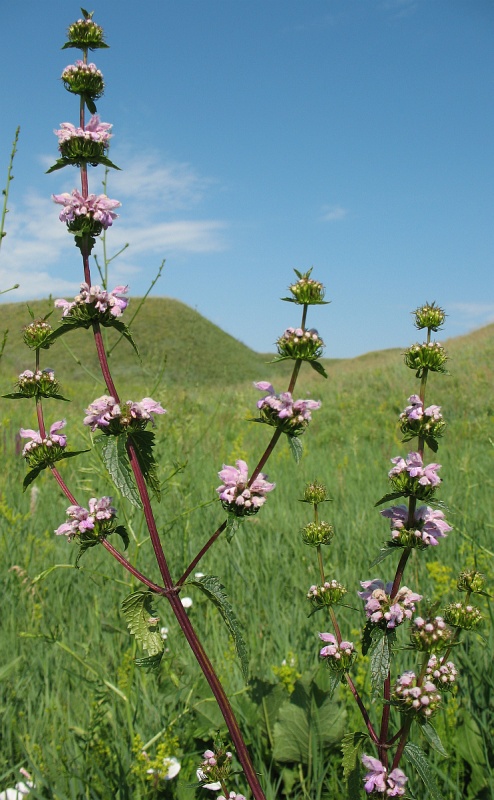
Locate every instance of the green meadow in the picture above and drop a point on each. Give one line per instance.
(76, 712)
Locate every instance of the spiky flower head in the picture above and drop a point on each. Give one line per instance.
(442, 673)
(83, 79)
(300, 343)
(428, 526)
(236, 495)
(282, 411)
(306, 291)
(430, 635)
(383, 610)
(463, 615)
(421, 700)
(315, 493)
(43, 451)
(471, 581)
(93, 523)
(317, 533)
(339, 656)
(36, 334)
(85, 34)
(429, 355)
(41, 383)
(327, 594)
(429, 316)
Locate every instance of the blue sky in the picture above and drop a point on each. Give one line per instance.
(354, 136)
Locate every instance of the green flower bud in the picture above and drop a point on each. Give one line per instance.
(462, 616)
(85, 35)
(36, 334)
(83, 79)
(430, 635)
(471, 581)
(317, 533)
(315, 493)
(431, 356)
(306, 291)
(41, 383)
(328, 594)
(429, 316)
(299, 343)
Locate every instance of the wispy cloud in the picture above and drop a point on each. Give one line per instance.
(473, 314)
(398, 9)
(333, 213)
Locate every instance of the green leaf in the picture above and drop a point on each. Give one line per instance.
(416, 757)
(122, 329)
(83, 546)
(214, 590)
(380, 660)
(138, 611)
(318, 368)
(33, 474)
(351, 745)
(367, 637)
(116, 461)
(384, 552)
(91, 107)
(122, 532)
(149, 662)
(143, 442)
(233, 524)
(432, 736)
(388, 497)
(295, 447)
(64, 161)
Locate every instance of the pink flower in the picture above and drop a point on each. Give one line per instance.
(80, 519)
(101, 299)
(375, 780)
(98, 207)
(36, 440)
(94, 130)
(235, 492)
(415, 468)
(381, 608)
(102, 412)
(430, 523)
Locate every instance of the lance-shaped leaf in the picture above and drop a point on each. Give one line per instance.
(388, 497)
(432, 736)
(232, 526)
(214, 590)
(384, 552)
(33, 474)
(142, 623)
(116, 460)
(143, 442)
(66, 161)
(417, 758)
(122, 329)
(296, 447)
(380, 660)
(39, 393)
(318, 368)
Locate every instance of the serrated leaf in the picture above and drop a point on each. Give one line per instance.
(141, 621)
(116, 461)
(318, 368)
(380, 660)
(351, 744)
(296, 447)
(149, 662)
(388, 497)
(122, 328)
(334, 680)
(367, 637)
(432, 736)
(417, 758)
(384, 552)
(83, 547)
(214, 590)
(232, 526)
(143, 442)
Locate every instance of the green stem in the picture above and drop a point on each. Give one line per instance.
(5, 191)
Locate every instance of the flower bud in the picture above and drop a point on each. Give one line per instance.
(471, 581)
(442, 673)
(430, 635)
(315, 493)
(36, 334)
(299, 343)
(317, 533)
(85, 35)
(41, 383)
(339, 656)
(422, 701)
(328, 594)
(429, 316)
(84, 79)
(462, 616)
(429, 355)
(306, 291)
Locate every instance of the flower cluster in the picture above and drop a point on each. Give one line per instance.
(107, 415)
(45, 450)
(339, 655)
(94, 298)
(236, 496)
(90, 143)
(383, 610)
(416, 420)
(429, 355)
(91, 214)
(41, 383)
(315, 493)
(85, 34)
(85, 79)
(442, 673)
(422, 700)
(428, 526)
(461, 615)
(215, 768)
(317, 533)
(430, 635)
(21, 789)
(299, 343)
(328, 594)
(377, 782)
(282, 411)
(429, 316)
(36, 334)
(97, 521)
(471, 581)
(306, 291)
(411, 477)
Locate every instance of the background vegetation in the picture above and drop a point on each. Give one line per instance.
(74, 709)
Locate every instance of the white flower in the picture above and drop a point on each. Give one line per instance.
(186, 602)
(215, 787)
(18, 792)
(170, 769)
(198, 575)
(164, 633)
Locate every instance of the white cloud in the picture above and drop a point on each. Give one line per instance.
(474, 314)
(333, 213)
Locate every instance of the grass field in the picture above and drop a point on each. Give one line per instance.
(75, 709)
